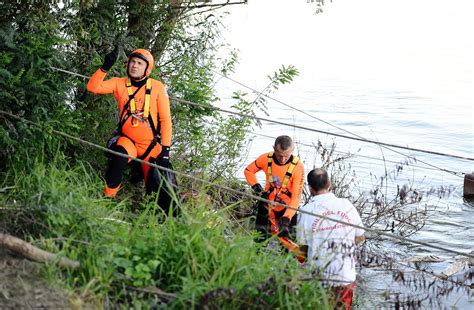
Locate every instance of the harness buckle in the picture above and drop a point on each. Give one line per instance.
(138, 117)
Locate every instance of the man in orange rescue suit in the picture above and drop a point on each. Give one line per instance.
(284, 184)
(144, 128)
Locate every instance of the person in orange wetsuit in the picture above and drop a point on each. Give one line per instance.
(144, 128)
(284, 184)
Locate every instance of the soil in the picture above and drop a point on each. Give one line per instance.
(22, 287)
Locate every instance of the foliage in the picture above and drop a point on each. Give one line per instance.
(284, 75)
(29, 87)
(191, 258)
(52, 187)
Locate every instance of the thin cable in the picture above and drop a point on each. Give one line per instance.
(235, 191)
(323, 131)
(354, 154)
(346, 153)
(70, 72)
(286, 105)
(354, 164)
(387, 146)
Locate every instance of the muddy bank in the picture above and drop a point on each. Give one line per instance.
(21, 286)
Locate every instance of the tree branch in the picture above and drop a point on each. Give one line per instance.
(208, 5)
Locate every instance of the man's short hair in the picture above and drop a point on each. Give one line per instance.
(284, 142)
(318, 179)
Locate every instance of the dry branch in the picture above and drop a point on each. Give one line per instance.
(31, 252)
(155, 291)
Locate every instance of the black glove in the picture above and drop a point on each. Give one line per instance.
(110, 59)
(257, 189)
(164, 157)
(283, 226)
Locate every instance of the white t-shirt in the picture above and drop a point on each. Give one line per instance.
(331, 245)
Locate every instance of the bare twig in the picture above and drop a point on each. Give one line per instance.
(190, 7)
(154, 291)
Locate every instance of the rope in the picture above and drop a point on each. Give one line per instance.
(354, 165)
(358, 155)
(410, 164)
(70, 72)
(323, 131)
(330, 124)
(238, 192)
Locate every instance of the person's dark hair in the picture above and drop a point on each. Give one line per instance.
(318, 179)
(284, 142)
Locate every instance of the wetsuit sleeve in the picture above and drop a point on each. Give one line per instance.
(165, 117)
(97, 85)
(253, 168)
(296, 190)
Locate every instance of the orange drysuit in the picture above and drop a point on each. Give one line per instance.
(136, 134)
(290, 196)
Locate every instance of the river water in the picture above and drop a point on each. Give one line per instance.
(400, 73)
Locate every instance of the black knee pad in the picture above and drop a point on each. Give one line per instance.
(117, 165)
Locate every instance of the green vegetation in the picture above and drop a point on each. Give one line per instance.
(201, 258)
(132, 254)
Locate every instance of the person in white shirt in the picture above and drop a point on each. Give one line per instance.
(330, 246)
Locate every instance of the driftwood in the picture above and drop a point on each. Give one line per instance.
(461, 263)
(31, 252)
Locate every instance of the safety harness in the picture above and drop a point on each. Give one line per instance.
(287, 177)
(286, 242)
(130, 109)
(146, 109)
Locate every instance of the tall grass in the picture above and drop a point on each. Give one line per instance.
(199, 258)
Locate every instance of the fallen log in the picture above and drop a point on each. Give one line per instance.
(33, 253)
